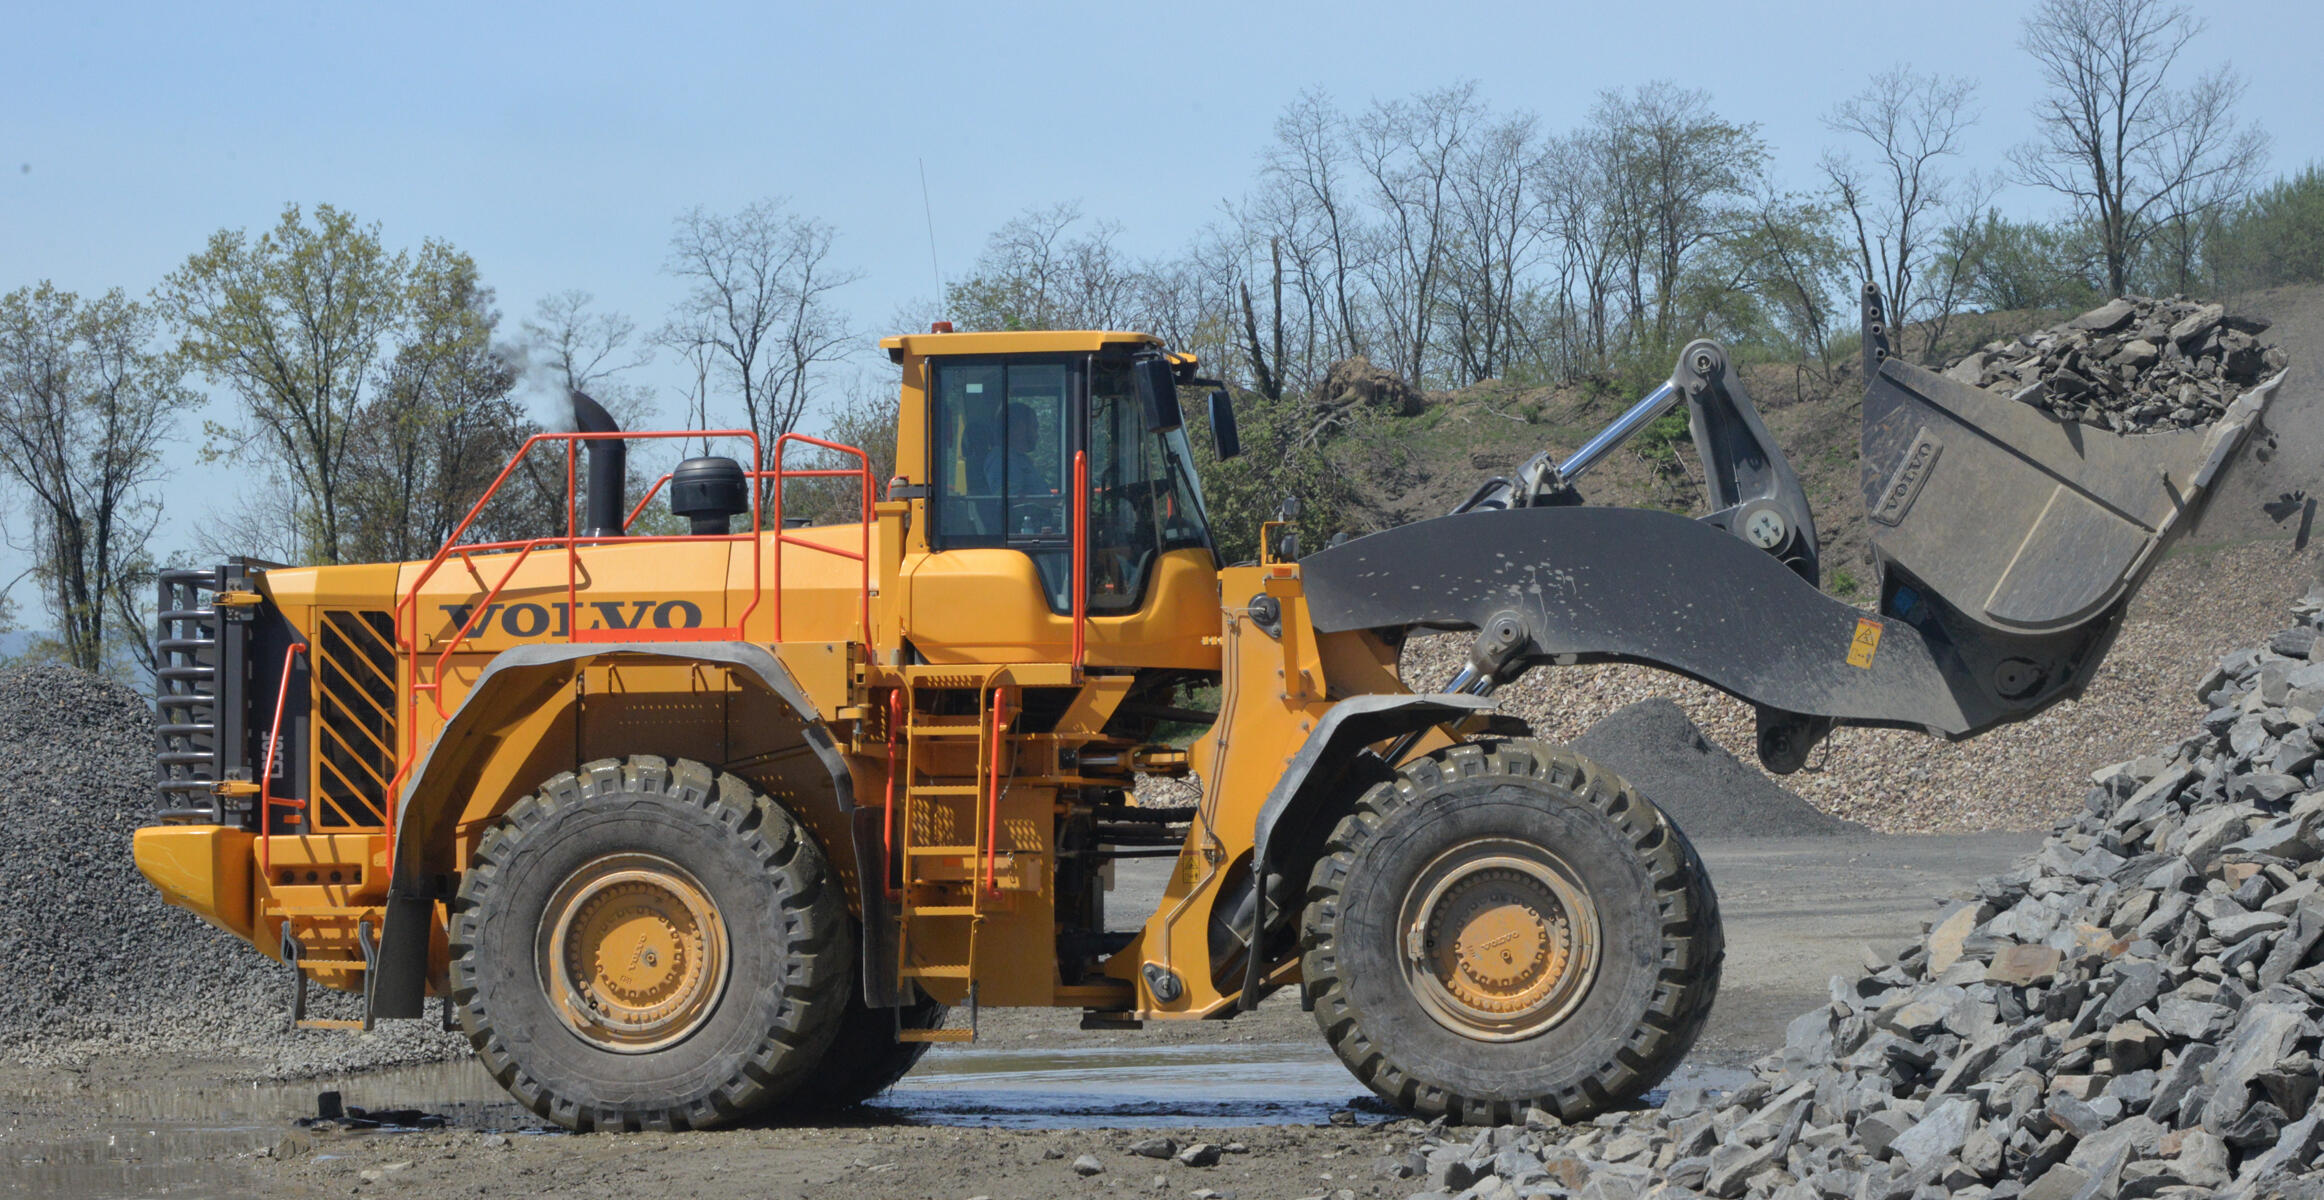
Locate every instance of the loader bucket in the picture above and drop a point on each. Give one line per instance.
(2022, 523)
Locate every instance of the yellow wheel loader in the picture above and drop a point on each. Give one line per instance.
(688, 827)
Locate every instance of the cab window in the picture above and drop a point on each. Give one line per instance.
(1001, 453)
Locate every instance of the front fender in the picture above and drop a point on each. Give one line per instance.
(1309, 783)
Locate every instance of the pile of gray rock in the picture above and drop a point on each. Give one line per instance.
(2133, 1013)
(92, 961)
(2131, 365)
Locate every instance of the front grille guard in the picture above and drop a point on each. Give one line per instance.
(201, 690)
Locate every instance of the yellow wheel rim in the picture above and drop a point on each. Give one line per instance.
(1500, 939)
(632, 953)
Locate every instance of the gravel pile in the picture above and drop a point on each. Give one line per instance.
(91, 961)
(2191, 610)
(1709, 792)
(2134, 1013)
(2131, 365)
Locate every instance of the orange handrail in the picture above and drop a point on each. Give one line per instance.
(861, 471)
(266, 798)
(1080, 552)
(896, 733)
(992, 824)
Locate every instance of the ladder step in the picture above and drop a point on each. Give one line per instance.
(945, 789)
(944, 731)
(328, 1023)
(946, 971)
(945, 851)
(936, 1035)
(350, 964)
(943, 910)
(348, 914)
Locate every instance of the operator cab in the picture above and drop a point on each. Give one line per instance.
(1005, 418)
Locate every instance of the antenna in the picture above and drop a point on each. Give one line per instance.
(928, 211)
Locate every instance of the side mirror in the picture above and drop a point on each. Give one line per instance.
(1158, 387)
(1222, 425)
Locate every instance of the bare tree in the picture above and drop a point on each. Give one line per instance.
(85, 407)
(1498, 220)
(1584, 214)
(2127, 149)
(761, 298)
(1407, 150)
(1912, 123)
(292, 322)
(1038, 272)
(1308, 159)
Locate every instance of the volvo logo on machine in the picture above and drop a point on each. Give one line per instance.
(527, 619)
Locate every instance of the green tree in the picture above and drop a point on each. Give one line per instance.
(292, 322)
(1280, 461)
(86, 405)
(2275, 237)
(440, 425)
(2021, 265)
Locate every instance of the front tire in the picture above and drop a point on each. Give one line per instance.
(649, 945)
(1506, 925)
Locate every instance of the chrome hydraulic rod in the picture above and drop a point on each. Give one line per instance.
(1470, 681)
(1661, 400)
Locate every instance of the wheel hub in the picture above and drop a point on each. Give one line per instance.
(1501, 939)
(632, 953)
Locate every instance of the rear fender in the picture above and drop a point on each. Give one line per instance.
(521, 680)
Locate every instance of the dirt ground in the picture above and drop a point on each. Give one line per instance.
(1006, 1116)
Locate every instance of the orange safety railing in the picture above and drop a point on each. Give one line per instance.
(267, 800)
(571, 542)
(779, 473)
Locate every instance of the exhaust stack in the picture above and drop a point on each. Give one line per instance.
(606, 496)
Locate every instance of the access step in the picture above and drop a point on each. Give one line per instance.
(936, 1035)
(941, 971)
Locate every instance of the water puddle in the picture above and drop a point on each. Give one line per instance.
(1126, 1086)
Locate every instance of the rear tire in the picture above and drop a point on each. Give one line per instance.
(649, 945)
(1507, 925)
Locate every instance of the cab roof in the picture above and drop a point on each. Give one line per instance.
(1041, 341)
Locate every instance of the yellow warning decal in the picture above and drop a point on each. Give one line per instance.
(1866, 643)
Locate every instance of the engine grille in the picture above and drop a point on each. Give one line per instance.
(354, 672)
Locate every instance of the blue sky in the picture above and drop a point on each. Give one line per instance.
(556, 142)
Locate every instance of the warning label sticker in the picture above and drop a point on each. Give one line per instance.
(1865, 644)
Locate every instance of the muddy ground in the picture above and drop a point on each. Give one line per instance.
(1004, 1117)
